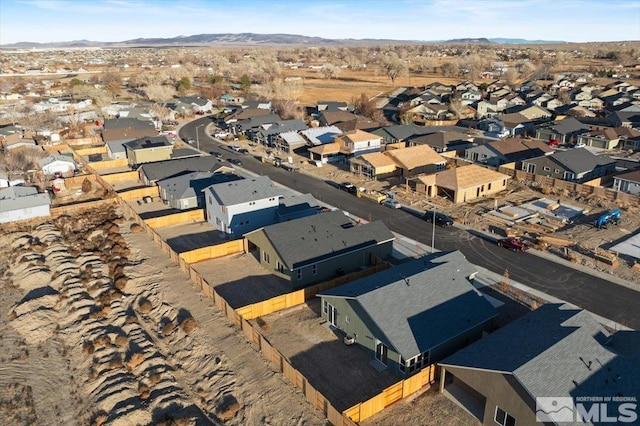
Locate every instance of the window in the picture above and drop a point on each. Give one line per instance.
(265, 257)
(299, 273)
(557, 171)
(314, 269)
(210, 200)
(546, 169)
(401, 365)
(279, 266)
(503, 418)
(489, 187)
(416, 363)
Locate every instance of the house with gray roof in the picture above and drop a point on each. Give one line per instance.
(320, 135)
(317, 248)
(409, 316)
(127, 129)
(288, 142)
(574, 165)
(265, 135)
(557, 352)
(151, 173)
(253, 124)
(185, 191)
(564, 131)
(241, 206)
(628, 182)
(23, 203)
(56, 163)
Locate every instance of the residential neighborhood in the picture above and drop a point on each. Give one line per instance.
(323, 233)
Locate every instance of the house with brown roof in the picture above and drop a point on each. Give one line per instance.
(127, 129)
(467, 183)
(510, 150)
(443, 141)
(628, 182)
(245, 113)
(331, 117)
(417, 160)
(599, 137)
(373, 165)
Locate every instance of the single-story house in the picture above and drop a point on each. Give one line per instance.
(116, 149)
(57, 164)
(22, 203)
(122, 129)
(416, 160)
(599, 137)
(374, 165)
(317, 248)
(628, 182)
(555, 365)
(467, 183)
(442, 141)
(151, 173)
(185, 191)
(564, 131)
(148, 150)
(509, 150)
(411, 315)
(574, 165)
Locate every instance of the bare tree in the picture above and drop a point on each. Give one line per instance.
(392, 66)
(511, 76)
(367, 108)
(329, 71)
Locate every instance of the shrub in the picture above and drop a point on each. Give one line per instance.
(86, 186)
(143, 390)
(135, 360)
(189, 324)
(155, 378)
(88, 348)
(227, 407)
(145, 306)
(135, 228)
(168, 328)
(122, 340)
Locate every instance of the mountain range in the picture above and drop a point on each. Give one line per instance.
(251, 39)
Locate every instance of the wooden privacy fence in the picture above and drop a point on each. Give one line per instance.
(394, 393)
(108, 164)
(89, 151)
(74, 208)
(212, 252)
(119, 177)
(176, 219)
(148, 191)
(298, 297)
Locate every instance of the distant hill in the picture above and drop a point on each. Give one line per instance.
(523, 41)
(252, 39)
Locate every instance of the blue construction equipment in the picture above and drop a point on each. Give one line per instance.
(611, 217)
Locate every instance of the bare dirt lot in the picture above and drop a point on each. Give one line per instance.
(343, 374)
(240, 279)
(190, 236)
(98, 325)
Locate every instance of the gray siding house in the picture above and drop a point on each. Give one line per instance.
(574, 165)
(185, 192)
(412, 315)
(558, 353)
(628, 182)
(317, 248)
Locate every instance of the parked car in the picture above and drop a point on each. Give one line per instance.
(235, 148)
(579, 145)
(220, 135)
(441, 218)
(243, 151)
(348, 187)
(190, 141)
(235, 161)
(216, 154)
(514, 244)
(553, 142)
(391, 203)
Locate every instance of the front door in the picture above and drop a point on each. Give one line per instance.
(332, 315)
(381, 352)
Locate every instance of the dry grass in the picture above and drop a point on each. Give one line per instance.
(188, 325)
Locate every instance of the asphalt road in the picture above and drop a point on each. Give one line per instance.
(587, 291)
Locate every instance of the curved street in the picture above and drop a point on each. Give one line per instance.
(587, 291)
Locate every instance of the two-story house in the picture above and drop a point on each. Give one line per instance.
(241, 206)
(148, 150)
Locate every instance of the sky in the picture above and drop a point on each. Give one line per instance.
(118, 20)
